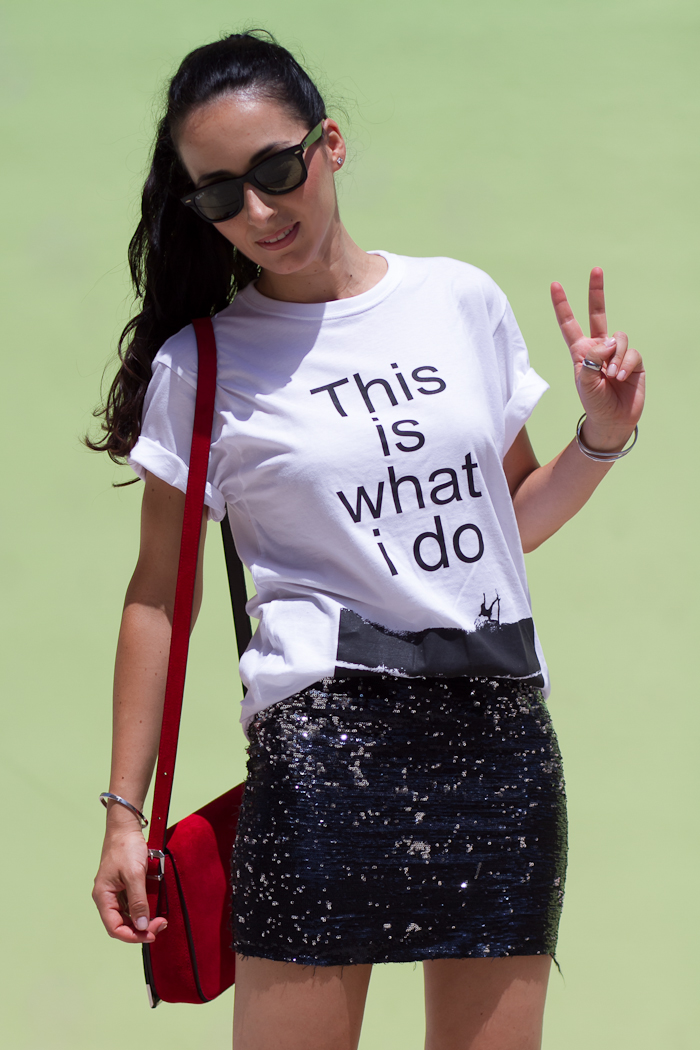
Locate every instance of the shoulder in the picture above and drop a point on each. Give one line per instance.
(179, 355)
(471, 288)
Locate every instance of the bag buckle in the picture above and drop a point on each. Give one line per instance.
(157, 854)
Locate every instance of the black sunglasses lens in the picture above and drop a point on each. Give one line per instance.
(281, 173)
(278, 174)
(220, 201)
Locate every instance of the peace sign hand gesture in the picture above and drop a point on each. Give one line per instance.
(613, 397)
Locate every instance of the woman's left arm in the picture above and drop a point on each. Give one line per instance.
(612, 398)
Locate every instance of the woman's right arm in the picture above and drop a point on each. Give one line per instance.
(139, 689)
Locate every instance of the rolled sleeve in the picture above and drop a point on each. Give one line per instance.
(163, 448)
(521, 386)
(521, 405)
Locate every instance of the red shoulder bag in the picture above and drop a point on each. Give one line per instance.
(189, 866)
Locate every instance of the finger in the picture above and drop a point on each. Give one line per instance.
(570, 328)
(156, 925)
(631, 363)
(596, 304)
(117, 924)
(135, 886)
(588, 368)
(621, 350)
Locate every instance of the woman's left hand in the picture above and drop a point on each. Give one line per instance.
(614, 397)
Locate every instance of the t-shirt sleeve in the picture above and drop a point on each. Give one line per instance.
(163, 447)
(521, 386)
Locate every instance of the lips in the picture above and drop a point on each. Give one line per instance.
(280, 239)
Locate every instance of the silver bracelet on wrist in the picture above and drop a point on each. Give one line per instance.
(107, 795)
(601, 457)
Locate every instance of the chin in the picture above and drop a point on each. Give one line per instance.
(283, 265)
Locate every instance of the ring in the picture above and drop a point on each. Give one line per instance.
(587, 363)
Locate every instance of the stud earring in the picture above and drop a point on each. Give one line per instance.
(339, 160)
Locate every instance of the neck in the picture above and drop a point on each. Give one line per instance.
(340, 270)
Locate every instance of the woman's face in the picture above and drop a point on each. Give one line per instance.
(226, 138)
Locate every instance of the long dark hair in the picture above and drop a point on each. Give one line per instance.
(180, 266)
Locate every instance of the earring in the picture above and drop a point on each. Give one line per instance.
(339, 160)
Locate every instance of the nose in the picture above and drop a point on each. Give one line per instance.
(257, 210)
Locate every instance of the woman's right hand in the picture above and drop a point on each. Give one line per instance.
(139, 687)
(120, 885)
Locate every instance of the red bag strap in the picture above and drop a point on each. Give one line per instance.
(184, 591)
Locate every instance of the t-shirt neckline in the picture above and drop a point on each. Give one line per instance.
(336, 308)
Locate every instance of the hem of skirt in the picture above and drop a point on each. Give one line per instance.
(377, 958)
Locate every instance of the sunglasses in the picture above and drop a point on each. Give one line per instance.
(280, 173)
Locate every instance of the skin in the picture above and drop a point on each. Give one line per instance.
(471, 1004)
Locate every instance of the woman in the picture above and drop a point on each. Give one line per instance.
(405, 796)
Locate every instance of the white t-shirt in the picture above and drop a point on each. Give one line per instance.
(358, 448)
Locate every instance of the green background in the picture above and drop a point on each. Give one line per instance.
(534, 138)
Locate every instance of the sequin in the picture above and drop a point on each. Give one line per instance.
(395, 820)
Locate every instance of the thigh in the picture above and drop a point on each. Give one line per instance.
(298, 1007)
(485, 1004)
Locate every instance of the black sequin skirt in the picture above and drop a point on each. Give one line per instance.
(390, 819)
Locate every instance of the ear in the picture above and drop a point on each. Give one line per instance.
(335, 143)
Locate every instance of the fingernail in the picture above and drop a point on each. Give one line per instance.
(622, 375)
(141, 923)
(612, 369)
(610, 342)
(163, 927)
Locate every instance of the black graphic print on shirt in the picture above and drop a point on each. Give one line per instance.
(491, 651)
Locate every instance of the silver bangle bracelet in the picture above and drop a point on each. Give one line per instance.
(601, 457)
(108, 795)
